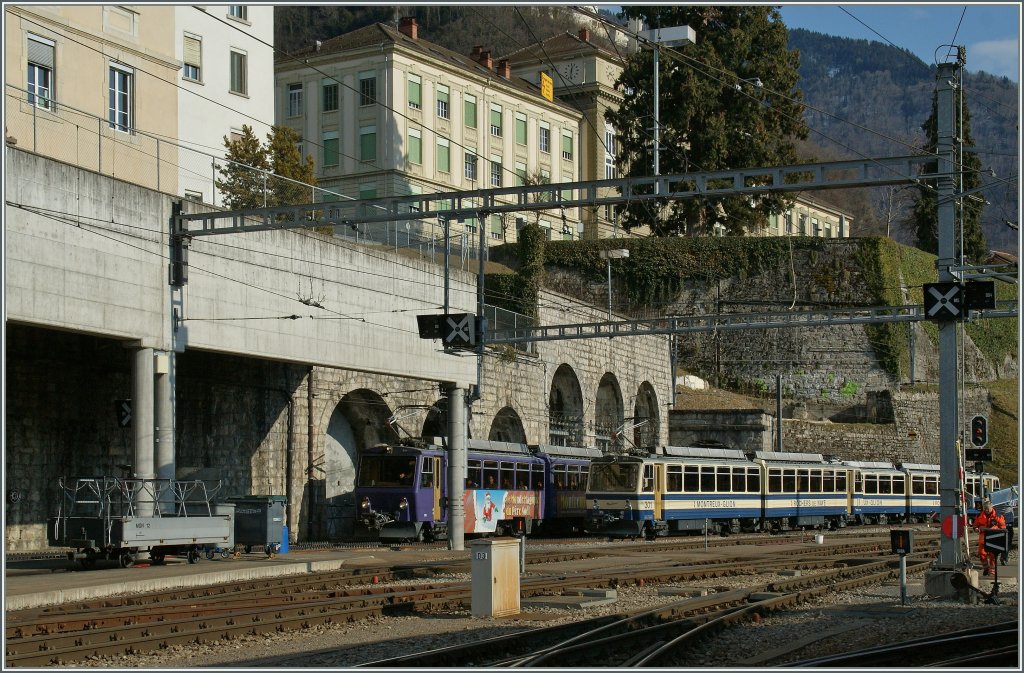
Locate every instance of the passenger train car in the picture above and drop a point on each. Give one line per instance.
(691, 489)
(510, 489)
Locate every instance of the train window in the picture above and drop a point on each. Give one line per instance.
(523, 476)
(723, 479)
(507, 475)
(648, 478)
(840, 482)
(858, 482)
(828, 481)
(788, 480)
(739, 479)
(931, 486)
(559, 477)
(753, 480)
(472, 473)
(427, 474)
(576, 481)
(691, 479)
(614, 476)
(899, 484)
(871, 484)
(674, 478)
(803, 481)
(707, 479)
(775, 480)
(885, 483)
(490, 474)
(815, 481)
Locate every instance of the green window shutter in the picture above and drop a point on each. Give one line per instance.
(443, 156)
(415, 147)
(414, 91)
(331, 148)
(469, 111)
(520, 128)
(368, 143)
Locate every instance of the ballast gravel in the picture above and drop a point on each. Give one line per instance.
(832, 624)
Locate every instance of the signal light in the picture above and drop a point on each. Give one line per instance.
(979, 431)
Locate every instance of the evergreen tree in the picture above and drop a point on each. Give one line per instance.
(924, 218)
(728, 101)
(241, 185)
(286, 161)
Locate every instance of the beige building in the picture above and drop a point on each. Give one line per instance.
(94, 86)
(809, 217)
(385, 113)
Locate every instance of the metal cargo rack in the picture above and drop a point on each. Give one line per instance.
(119, 518)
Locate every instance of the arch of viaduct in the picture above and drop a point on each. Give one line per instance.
(268, 393)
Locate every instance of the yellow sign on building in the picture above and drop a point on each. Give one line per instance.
(547, 87)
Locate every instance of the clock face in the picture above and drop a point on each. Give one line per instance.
(571, 71)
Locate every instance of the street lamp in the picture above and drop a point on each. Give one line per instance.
(610, 255)
(676, 36)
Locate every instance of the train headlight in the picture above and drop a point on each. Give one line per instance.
(365, 504)
(403, 503)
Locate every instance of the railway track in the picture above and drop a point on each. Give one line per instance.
(155, 621)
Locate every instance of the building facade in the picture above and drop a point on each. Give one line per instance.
(143, 93)
(385, 113)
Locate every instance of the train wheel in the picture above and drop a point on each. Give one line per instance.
(89, 562)
(157, 559)
(126, 560)
(193, 556)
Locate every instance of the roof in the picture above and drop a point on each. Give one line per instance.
(568, 43)
(1000, 257)
(383, 34)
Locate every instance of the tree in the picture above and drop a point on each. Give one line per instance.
(244, 172)
(728, 101)
(252, 176)
(286, 161)
(925, 216)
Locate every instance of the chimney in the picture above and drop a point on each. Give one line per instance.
(407, 26)
(505, 69)
(486, 60)
(475, 54)
(584, 35)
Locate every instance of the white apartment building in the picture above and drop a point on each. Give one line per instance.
(226, 79)
(142, 93)
(385, 113)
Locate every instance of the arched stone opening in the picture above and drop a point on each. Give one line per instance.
(565, 408)
(608, 413)
(645, 408)
(359, 420)
(507, 427)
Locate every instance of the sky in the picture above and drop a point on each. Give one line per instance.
(989, 31)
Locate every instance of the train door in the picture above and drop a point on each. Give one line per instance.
(434, 464)
(659, 481)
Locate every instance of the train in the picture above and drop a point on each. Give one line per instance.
(518, 489)
(510, 489)
(681, 490)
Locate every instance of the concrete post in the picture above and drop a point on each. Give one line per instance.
(456, 466)
(165, 468)
(142, 424)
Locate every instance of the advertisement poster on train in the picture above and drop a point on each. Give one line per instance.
(486, 507)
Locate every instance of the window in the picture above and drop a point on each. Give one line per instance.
(815, 226)
(520, 128)
(469, 164)
(239, 12)
(803, 224)
(367, 88)
(329, 95)
(40, 72)
(520, 174)
(239, 74)
(610, 150)
(545, 137)
(444, 163)
(566, 144)
(495, 120)
(194, 196)
(235, 135)
(295, 99)
(566, 193)
(495, 171)
(442, 101)
(119, 109)
(469, 110)
(415, 147)
(193, 58)
(497, 228)
(415, 90)
(367, 191)
(368, 143)
(330, 139)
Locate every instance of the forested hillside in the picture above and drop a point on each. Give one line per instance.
(863, 98)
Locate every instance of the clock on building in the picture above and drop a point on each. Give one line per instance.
(570, 71)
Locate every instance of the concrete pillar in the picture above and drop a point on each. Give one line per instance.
(456, 466)
(142, 425)
(163, 366)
